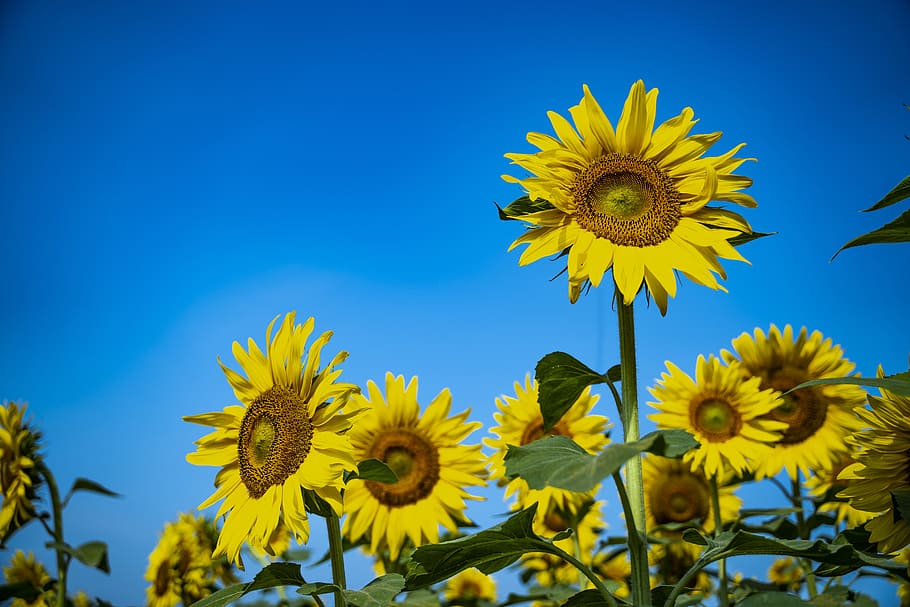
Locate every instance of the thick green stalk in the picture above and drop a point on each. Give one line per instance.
(57, 506)
(723, 592)
(337, 556)
(638, 550)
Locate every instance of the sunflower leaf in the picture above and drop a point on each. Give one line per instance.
(92, 554)
(899, 384)
(377, 593)
(523, 206)
(562, 378)
(586, 598)
(897, 193)
(84, 484)
(420, 598)
(773, 599)
(222, 597)
(489, 550)
(893, 231)
(557, 461)
(901, 502)
(19, 590)
(276, 574)
(374, 470)
(741, 239)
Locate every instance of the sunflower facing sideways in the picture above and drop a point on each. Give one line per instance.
(289, 435)
(723, 410)
(630, 199)
(521, 423)
(19, 446)
(425, 452)
(817, 418)
(882, 466)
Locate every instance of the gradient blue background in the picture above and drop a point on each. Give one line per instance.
(173, 175)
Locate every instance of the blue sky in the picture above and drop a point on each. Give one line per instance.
(174, 175)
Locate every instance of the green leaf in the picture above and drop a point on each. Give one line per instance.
(222, 597)
(773, 599)
(557, 461)
(523, 206)
(375, 470)
(19, 590)
(377, 593)
(84, 484)
(562, 378)
(898, 193)
(276, 574)
(614, 373)
(899, 383)
(489, 550)
(93, 554)
(317, 588)
(894, 231)
(421, 598)
(901, 501)
(741, 239)
(841, 596)
(587, 598)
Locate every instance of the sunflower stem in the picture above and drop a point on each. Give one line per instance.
(638, 548)
(57, 506)
(803, 534)
(337, 554)
(723, 593)
(586, 571)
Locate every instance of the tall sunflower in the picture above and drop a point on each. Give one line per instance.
(882, 466)
(818, 418)
(723, 410)
(19, 446)
(630, 199)
(25, 569)
(425, 452)
(521, 423)
(289, 435)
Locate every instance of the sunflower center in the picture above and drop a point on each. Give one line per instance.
(275, 438)
(680, 497)
(534, 431)
(627, 200)
(162, 579)
(555, 522)
(413, 459)
(716, 420)
(804, 410)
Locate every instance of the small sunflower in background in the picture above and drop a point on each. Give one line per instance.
(585, 519)
(180, 567)
(521, 423)
(289, 435)
(615, 569)
(824, 481)
(670, 563)
(19, 480)
(723, 410)
(634, 199)
(786, 573)
(425, 452)
(469, 587)
(24, 569)
(817, 418)
(676, 494)
(882, 466)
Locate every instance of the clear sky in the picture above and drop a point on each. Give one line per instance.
(173, 175)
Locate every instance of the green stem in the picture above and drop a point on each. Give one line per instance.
(803, 534)
(638, 550)
(684, 582)
(57, 506)
(337, 555)
(718, 527)
(586, 571)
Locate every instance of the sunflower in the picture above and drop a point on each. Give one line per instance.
(470, 586)
(817, 418)
(19, 479)
(180, 566)
(631, 199)
(425, 452)
(722, 409)
(549, 569)
(25, 569)
(824, 481)
(786, 573)
(676, 494)
(520, 423)
(882, 466)
(289, 435)
(614, 568)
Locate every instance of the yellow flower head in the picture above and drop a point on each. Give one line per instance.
(882, 466)
(19, 480)
(180, 566)
(631, 199)
(723, 410)
(616, 569)
(470, 586)
(24, 568)
(289, 435)
(786, 572)
(521, 423)
(823, 481)
(817, 418)
(425, 452)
